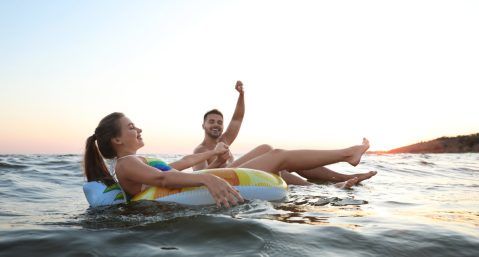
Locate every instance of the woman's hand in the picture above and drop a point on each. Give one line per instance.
(222, 192)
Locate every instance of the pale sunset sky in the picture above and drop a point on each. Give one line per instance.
(316, 74)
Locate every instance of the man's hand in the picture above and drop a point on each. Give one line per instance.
(222, 154)
(221, 148)
(239, 87)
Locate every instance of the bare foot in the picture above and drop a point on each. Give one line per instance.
(364, 176)
(357, 152)
(347, 184)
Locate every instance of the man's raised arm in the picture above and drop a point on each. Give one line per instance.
(234, 126)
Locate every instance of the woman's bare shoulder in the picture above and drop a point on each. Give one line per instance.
(130, 162)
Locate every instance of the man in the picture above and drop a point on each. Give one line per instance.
(213, 126)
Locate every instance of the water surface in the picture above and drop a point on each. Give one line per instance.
(418, 205)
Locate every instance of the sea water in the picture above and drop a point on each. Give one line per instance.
(417, 205)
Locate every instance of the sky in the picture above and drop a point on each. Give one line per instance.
(316, 74)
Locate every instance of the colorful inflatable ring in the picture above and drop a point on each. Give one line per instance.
(252, 184)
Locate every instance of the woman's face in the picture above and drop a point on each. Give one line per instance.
(130, 137)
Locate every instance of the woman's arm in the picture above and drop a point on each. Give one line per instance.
(137, 172)
(219, 161)
(191, 160)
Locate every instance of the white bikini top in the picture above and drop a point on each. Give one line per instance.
(113, 166)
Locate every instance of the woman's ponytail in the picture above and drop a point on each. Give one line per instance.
(99, 146)
(94, 165)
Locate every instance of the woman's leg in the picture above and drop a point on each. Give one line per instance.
(319, 173)
(278, 160)
(259, 150)
(289, 178)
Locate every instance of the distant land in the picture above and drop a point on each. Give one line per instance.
(458, 144)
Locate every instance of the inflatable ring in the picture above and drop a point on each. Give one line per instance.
(252, 184)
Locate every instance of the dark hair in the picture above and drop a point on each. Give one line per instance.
(214, 111)
(93, 163)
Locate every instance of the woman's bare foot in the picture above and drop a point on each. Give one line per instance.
(357, 152)
(347, 184)
(364, 176)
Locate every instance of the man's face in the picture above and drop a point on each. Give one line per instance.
(213, 125)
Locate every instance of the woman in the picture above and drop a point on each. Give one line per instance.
(117, 137)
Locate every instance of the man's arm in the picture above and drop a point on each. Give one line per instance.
(216, 163)
(199, 158)
(234, 126)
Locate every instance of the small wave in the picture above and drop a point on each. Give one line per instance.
(10, 214)
(345, 202)
(12, 166)
(404, 204)
(425, 163)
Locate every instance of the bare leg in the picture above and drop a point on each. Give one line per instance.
(289, 178)
(325, 174)
(257, 151)
(292, 179)
(278, 160)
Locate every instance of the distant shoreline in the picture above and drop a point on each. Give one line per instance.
(458, 144)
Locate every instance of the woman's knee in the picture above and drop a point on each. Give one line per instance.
(268, 149)
(277, 151)
(264, 148)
